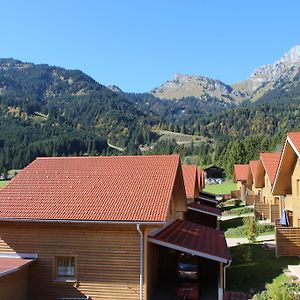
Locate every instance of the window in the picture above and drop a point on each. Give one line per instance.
(65, 268)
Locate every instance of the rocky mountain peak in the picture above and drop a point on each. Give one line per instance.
(291, 57)
(181, 86)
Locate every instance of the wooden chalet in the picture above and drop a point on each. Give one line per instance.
(201, 207)
(287, 188)
(268, 206)
(101, 228)
(253, 193)
(242, 176)
(191, 184)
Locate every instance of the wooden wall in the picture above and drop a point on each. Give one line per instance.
(107, 258)
(251, 199)
(287, 241)
(274, 212)
(262, 210)
(14, 286)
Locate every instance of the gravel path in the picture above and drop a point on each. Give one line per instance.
(231, 242)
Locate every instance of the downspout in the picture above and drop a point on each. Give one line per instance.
(228, 265)
(218, 222)
(141, 259)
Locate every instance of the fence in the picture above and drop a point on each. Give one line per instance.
(262, 211)
(251, 199)
(288, 241)
(274, 212)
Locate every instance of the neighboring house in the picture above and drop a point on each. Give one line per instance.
(102, 228)
(241, 176)
(214, 172)
(287, 180)
(254, 169)
(200, 213)
(287, 187)
(201, 179)
(268, 208)
(190, 179)
(266, 173)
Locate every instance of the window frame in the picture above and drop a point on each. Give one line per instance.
(66, 279)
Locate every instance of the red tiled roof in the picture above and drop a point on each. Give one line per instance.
(295, 139)
(204, 208)
(195, 239)
(270, 162)
(9, 265)
(121, 188)
(189, 173)
(241, 172)
(253, 167)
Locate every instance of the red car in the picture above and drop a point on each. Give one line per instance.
(188, 284)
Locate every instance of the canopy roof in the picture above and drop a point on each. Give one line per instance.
(193, 239)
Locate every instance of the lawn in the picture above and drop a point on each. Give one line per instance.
(252, 267)
(221, 189)
(3, 183)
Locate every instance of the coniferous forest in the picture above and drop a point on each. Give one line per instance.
(51, 111)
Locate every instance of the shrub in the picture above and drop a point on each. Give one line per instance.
(243, 254)
(278, 291)
(251, 228)
(245, 210)
(241, 231)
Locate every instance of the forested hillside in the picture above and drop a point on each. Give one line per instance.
(52, 111)
(47, 111)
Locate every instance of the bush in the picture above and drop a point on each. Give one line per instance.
(245, 210)
(241, 231)
(243, 254)
(279, 291)
(251, 228)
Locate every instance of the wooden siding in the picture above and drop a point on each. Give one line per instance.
(251, 199)
(262, 211)
(14, 286)
(288, 241)
(274, 212)
(107, 257)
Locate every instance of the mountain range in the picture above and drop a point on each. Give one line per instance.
(283, 73)
(47, 110)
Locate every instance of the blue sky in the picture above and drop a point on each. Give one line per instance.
(139, 44)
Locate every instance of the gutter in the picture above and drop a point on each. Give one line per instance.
(141, 259)
(82, 221)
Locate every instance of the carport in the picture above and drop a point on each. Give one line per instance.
(207, 243)
(14, 275)
(203, 214)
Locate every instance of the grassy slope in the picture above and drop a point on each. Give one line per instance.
(3, 183)
(219, 189)
(180, 138)
(256, 269)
